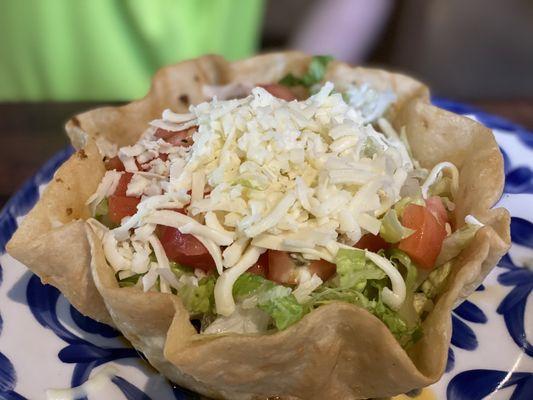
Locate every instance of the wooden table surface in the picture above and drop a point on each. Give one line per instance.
(30, 133)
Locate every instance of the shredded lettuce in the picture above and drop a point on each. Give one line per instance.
(178, 269)
(251, 320)
(354, 270)
(404, 264)
(284, 311)
(250, 284)
(101, 214)
(436, 280)
(442, 187)
(276, 300)
(199, 299)
(398, 327)
(392, 231)
(455, 243)
(129, 281)
(400, 206)
(360, 282)
(315, 73)
(372, 103)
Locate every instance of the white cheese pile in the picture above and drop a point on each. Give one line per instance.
(302, 176)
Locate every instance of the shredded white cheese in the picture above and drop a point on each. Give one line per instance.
(393, 298)
(434, 176)
(224, 285)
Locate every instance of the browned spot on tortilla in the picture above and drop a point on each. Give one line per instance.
(69, 211)
(196, 78)
(76, 122)
(59, 180)
(184, 99)
(81, 154)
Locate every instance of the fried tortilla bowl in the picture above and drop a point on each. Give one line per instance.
(336, 351)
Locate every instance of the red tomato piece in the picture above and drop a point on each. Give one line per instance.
(185, 249)
(436, 207)
(178, 138)
(372, 243)
(114, 163)
(122, 186)
(261, 266)
(425, 244)
(121, 206)
(279, 91)
(283, 269)
(323, 269)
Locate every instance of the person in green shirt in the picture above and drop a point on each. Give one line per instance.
(109, 49)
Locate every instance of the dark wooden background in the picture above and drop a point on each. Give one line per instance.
(30, 133)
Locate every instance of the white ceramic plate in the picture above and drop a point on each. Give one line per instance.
(45, 343)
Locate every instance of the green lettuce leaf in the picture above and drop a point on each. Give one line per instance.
(354, 270)
(178, 269)
(276, 300)
(400, 206)
(250, 284)
(399, 328)
(436, 280)
(101, 214)
(315, 73)
(284, 310)
(129, 281)
(199, 299)
(392, 231)
(455, 243)
(409, 271)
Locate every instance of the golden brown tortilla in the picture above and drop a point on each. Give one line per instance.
(338, 351)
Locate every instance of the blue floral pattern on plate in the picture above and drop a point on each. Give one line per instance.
(84, 345)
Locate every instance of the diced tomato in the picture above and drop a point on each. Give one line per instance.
(122, 186)
(323, 269)
(178, 138)
(279, 91)
(372, 243)
(185, 249)
(283, 269)
(114, 163)
(121, 206)
(261, 266)
(425, 244)
(436, 207)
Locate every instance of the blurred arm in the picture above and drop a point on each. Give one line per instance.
(346, 29)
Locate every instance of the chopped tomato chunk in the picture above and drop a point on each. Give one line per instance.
(185, 249)
(121, 206)
(372, 243)
(282, 268)
(424, 245)
(323, 269)
(177, 138)
(261, 266)
(436, 207)
(114, 163)
(279, 91)
(122, 186)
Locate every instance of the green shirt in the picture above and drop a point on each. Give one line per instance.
(109, 49)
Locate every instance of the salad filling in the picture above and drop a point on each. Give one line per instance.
(257, 210)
